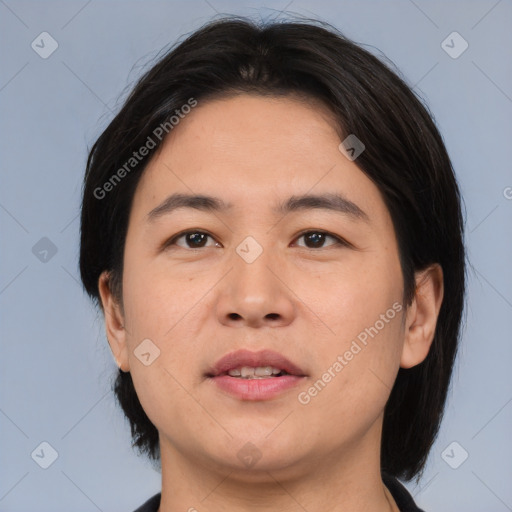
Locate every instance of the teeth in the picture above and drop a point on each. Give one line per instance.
(263, 371)
(248, 372)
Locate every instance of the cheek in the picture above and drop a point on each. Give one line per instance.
(163, 395)
(349, 298)
(167, 308)
(352, 386)
(362, 346)
(158, 302)
(159, 307)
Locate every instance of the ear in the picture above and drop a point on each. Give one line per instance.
(421, 317)
(114, 322)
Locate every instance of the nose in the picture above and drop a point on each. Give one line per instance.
(255, 294)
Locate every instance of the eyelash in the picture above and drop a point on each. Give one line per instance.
(339, 242)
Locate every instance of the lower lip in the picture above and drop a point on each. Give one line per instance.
(256, 389)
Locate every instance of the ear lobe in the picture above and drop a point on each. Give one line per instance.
(114, 322)
(421, 317)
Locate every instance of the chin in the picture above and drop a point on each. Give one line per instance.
(253, 455)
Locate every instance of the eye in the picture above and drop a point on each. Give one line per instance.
(192, 239)
(316, 239)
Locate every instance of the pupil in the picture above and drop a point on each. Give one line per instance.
(316, 238)
(195, 238)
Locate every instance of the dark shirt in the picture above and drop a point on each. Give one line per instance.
(398, 491)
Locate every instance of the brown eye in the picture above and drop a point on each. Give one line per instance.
(192, 240)
(316, 239)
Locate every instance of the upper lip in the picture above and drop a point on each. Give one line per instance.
(241, 358)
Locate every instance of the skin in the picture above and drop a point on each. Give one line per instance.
(304, 302)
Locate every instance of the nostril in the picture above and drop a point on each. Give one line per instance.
(273, 316)
(234, 316)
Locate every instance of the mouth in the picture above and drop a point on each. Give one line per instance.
(255, 375)
(249, 365)
(258, 372)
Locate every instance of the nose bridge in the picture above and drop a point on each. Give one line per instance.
(252, 292)
(252, 275)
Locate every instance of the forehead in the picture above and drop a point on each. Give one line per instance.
(254, 151)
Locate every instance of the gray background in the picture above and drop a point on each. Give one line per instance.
(55, 365)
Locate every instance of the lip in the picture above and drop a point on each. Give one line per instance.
(255, 389)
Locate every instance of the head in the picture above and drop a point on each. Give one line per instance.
(361, 286)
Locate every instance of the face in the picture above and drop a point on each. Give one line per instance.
(313, 287)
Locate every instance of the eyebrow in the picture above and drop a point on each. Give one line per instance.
(328, 201)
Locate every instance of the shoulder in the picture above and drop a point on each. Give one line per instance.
(150, 505)
(400, 494)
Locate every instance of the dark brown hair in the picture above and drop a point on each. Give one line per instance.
(405, 157)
